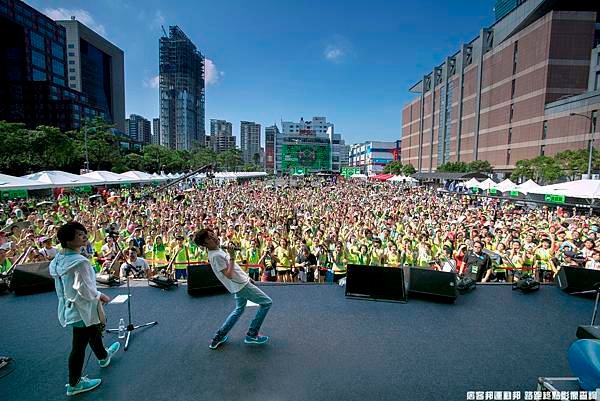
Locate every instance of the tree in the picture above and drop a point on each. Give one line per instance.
(393, 167)
(480, 166)
(202, 156)
(256, 158)
(408, 169)
(230, 159)
(453, 167)
(523, 171)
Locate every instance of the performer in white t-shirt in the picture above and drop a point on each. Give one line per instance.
(238, 283)
(134, 266)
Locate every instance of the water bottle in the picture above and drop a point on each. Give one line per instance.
(121, 328)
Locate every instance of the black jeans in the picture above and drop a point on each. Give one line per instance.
(82, 336)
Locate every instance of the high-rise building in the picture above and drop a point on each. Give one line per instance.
(514, 92)
(310, 146)
(181, 91)
(372, 156)
(33, 71)
(155, 139)
(250, 141)
(138, 129)
(96, 69)
(270, 134)
(504, 7)
(221, 135)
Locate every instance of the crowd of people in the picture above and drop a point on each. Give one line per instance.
(308, 230)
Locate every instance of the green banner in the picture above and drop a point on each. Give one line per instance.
(14, 194)
(475, 190)
(86, 189)
(299, 171)
(493, 191)
(514, 193)
(126, 185)
(350, 171)
(555, 198)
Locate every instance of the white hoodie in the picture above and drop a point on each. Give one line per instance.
(75, 283)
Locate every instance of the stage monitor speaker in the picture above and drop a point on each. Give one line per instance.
(31, 278)
(202, 280)
(375, 282)
(576, 279)
(433, 284)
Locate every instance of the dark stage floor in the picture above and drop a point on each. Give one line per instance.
(323, 346)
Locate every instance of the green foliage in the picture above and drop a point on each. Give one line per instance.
(453, 167)
(230, 160)
(393, 167)
(408, 169)
(479, 166)
(543, 169)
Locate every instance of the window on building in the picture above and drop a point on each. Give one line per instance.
(71, 54)
(58, 80)
(37, 40)
(38, 59)
(71, 69)
(507, 157)
(545, 130)
(58, 51)
(71, 62)
(71, 46)
(512, 113)
(598, 58)
(73, 86)
(58, 68)
(597, 81)
(512, 89)
(39, 75)
(542, 150)
(594, 120)
(515, 52)
(509, 136)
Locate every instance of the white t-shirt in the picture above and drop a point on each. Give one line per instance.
(138, 266)
(219, 260)
(49, 253)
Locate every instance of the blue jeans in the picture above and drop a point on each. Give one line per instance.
(249, 293)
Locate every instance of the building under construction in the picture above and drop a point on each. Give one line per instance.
(181, 91)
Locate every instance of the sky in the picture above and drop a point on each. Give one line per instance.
(272, 60)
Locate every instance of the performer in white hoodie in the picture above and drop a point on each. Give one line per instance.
(78, 298)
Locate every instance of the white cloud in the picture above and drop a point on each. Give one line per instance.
(152, 82)
(211, 74)
(159, 18)
(81, 15)
(337, 48)
(333, 53)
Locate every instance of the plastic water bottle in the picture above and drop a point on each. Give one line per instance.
(121, 328)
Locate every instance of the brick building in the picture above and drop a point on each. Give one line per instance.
(520, 89)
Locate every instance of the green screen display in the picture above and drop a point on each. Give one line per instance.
(14, 194)
(514, 193)
(309, 157)
(350, 171)
(554, 198)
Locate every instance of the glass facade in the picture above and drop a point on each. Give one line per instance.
(95, 76)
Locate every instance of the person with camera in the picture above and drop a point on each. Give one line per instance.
(269, 262)
(80, 305)
(238, 283)
(134, 266)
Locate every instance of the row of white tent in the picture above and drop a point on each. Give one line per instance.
(61, 179)
(395, 178)
(585, 189)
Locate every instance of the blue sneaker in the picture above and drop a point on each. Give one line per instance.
(214, 344)
(258, 339)
(111, 351)
(84, 385)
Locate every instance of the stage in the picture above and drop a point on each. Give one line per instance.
(322, 347)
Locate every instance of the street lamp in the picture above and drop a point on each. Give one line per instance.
(589, 172)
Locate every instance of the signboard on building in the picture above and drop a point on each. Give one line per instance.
(306, 132)
(555, 198)
(309, 156)
(350, 171)
(14, 194)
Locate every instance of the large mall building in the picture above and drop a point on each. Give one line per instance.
(526, 86)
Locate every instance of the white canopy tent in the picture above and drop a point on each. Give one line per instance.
(506, 185)
(61, 179)
(359, 176)
(137, 176)
(8, 182)
(401, 178)
(472, 183)
(528, 186)
(585, 189)
(108, 177)
(487, 184)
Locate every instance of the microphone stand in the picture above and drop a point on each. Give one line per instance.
(130, 326)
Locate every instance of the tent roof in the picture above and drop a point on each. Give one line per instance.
(108, 177)
(447, 176)
(57, 179)
(402, 178)
(8, 182)
(139, 176)
(487, 184)
(358, 175)
(381, 177)
(586, 189)
(527, 186)
(472, 183)
(506, 185)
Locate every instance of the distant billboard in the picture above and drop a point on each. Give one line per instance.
(307, 156)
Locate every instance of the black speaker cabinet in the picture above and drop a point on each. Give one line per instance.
(575, 279)
(202, 280)
(31, 278)
(440, 286)
(375, 282)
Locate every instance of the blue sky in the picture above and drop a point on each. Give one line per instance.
(268, 60)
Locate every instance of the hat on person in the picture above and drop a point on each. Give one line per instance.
(44, 239)
(570, 254)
